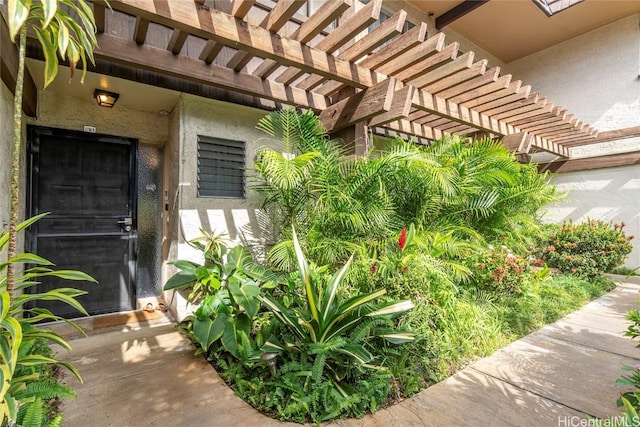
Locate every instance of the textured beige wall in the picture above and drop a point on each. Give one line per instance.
(6, 115)
(595, 76)
(59, 111)
(6, 148)
(611, 194)
(238, 218)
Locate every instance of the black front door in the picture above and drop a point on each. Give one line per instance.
(86, 183)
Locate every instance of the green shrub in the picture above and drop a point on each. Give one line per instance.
(498, 270)
(588, 249)
(325, 343)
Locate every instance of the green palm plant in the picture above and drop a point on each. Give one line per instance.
(329, 333)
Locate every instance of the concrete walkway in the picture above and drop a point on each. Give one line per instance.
(148, 376)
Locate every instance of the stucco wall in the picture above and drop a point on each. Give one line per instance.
(611, 194)
(595, 77)
(6, 148)
(6, 114)
(72, 113)
(238, 218)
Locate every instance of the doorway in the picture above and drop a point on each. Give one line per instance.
(87, 183)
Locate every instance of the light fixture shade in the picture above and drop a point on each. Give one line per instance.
(105, 98)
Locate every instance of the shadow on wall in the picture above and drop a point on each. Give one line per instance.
(607, 194)
(248, 226)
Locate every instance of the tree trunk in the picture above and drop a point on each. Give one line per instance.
(15, 164)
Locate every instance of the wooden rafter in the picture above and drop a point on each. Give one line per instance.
(239, 9)
(275, 19)
(327, 13)
(364, 46)
(385, 55)
(458, 12)
(213, 24)
(126, 52)
(140, 30)
(338, 37)
(475, 70)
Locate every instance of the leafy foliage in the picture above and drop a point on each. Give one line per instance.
(68, 31)
(588, 249)
(20, 375)
(227, 292)
(328, 334)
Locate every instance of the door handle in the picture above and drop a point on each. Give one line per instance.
(126, 221)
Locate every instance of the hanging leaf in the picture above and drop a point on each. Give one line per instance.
(18, 14)
(50, 56)
(49, 8)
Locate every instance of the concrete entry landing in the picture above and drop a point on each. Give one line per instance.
(148, 376)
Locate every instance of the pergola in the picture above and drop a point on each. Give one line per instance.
(392, 79)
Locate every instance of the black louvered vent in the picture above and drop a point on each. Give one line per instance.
(220, 168)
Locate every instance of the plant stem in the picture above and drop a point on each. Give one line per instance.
(15, 164)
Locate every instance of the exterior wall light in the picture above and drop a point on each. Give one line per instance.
(105, 98)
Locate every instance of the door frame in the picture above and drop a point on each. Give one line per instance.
(34, 132)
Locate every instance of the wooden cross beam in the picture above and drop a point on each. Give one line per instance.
(116, 49)
(362, 106)
(226, 29)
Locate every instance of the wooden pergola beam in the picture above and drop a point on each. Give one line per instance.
(458, 12)
(364, 105)
(391, 52)
(9, 72)
(239, 9)
(328, 12)
(344, 33)
(475, 70)
(450, 110)
(99, 16)
(140, 30)
(399, 109)
(520, 143)
(364, 46)
(590, 163)
(219, 26)
(275, 19)
(177, 40)
(126, 52)
(410, 128)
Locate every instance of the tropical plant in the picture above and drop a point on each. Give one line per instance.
(68, 31)
(226, 288)
(20, 330)
(588, 249)
(329, 336)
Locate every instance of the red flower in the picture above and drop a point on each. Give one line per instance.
(402, 240)
(374, 267)
(574, 270)
(404, 269)
(539, 261)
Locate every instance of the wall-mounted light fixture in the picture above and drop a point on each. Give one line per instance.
(105, 98)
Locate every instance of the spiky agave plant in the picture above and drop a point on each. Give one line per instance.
(330, 333)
